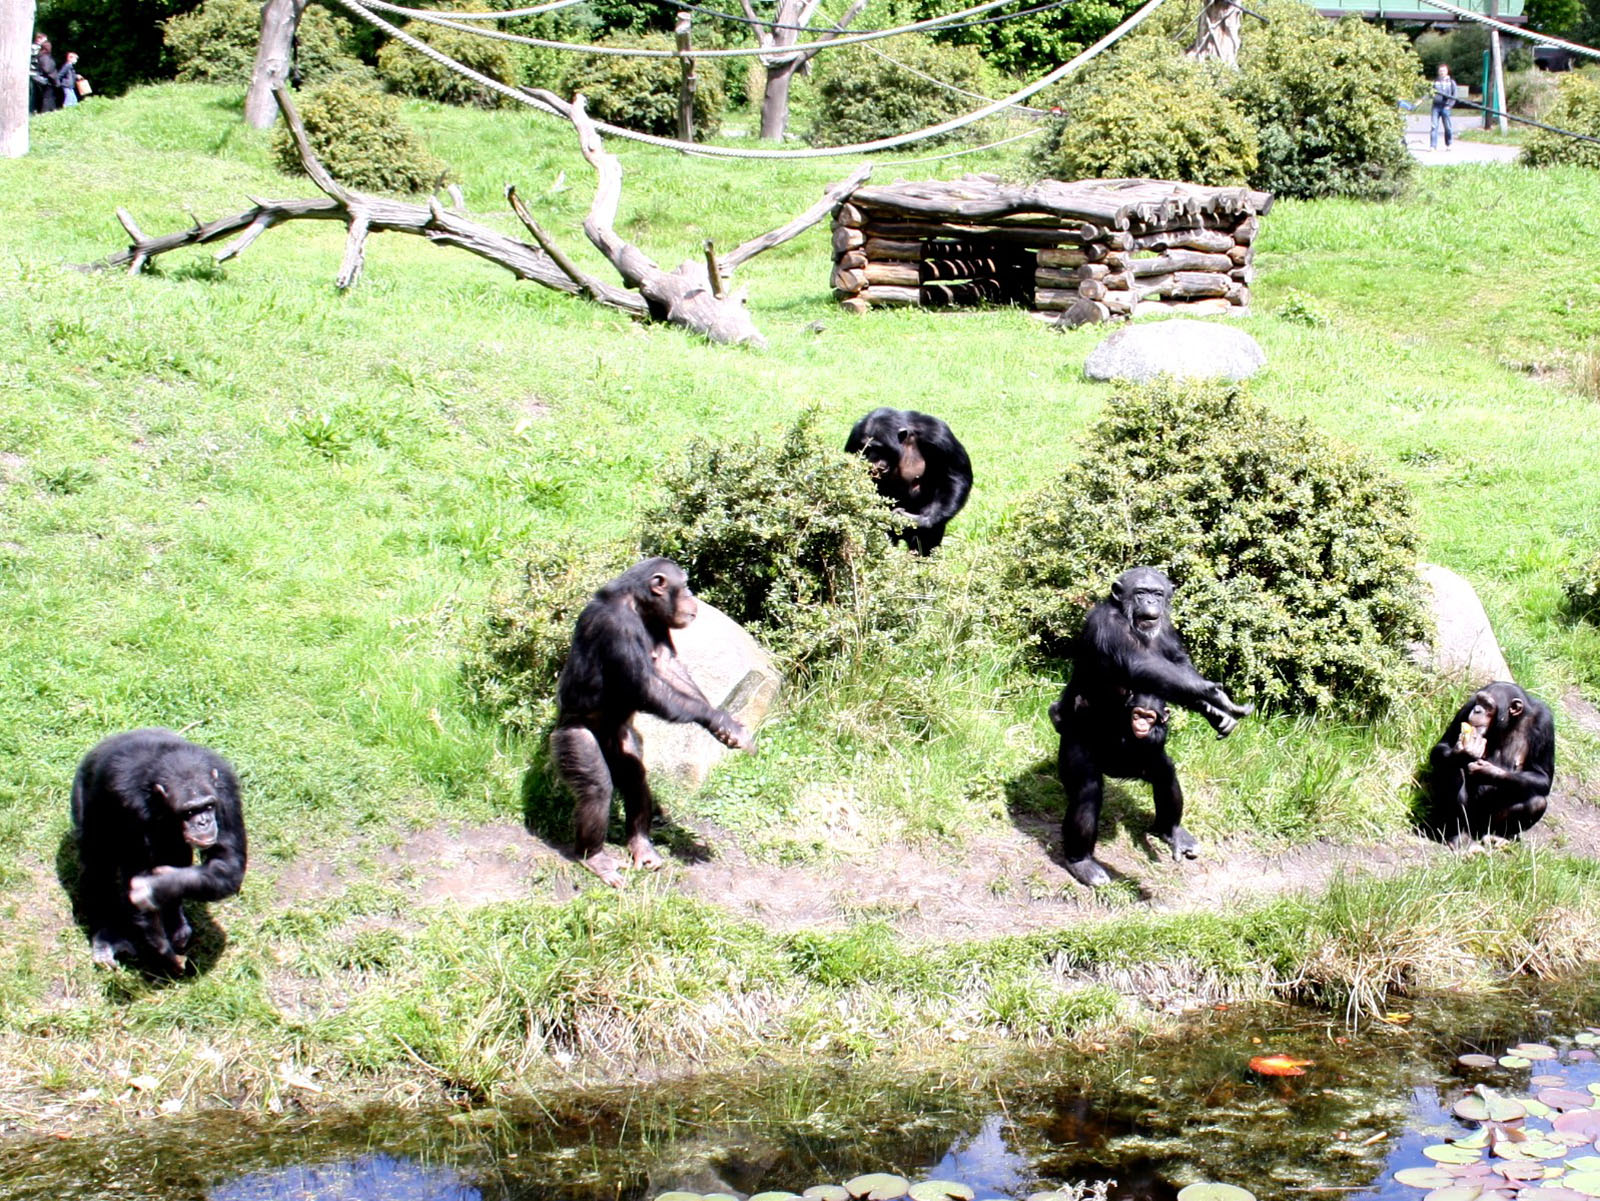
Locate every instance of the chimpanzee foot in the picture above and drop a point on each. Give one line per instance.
(645, 855)
(1461, 840)
(1182, 842)
(107, 946)
(1088, 872)
(603, 865)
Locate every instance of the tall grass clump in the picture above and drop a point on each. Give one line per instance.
(1294, 556)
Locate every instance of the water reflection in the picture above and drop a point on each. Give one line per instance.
(365, 1178)
(986, 1161)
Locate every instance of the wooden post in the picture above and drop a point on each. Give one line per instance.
(274, 58)
(16, 34)
(687, 86)
(1498, 102)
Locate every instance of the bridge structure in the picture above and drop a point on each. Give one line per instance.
(1509, 11)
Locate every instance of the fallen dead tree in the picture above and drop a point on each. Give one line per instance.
(695, 295)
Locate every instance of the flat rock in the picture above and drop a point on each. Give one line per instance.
(1177, 347)
(1463, 645)
(734, 672)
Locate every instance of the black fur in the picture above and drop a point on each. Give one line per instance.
(1503, 790)
(919, 466)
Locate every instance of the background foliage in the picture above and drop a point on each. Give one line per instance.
(862, 95)
(642, 93)
(216, 43)
(1576, 108)
(360, 137)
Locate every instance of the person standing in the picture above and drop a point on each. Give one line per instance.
(67, 79)
(1444, 99)
(35, 80)
(44, 78)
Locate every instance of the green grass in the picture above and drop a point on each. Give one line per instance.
(237, 503)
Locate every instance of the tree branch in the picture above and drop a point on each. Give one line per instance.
(831, 200)
(850, 14)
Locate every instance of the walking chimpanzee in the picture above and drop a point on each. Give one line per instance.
(622, 662)
(142, 803)
(919, 466)
(1128, 659)
(1490, 771)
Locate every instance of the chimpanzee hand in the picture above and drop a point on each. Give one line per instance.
(728, 731)
(1486, 767)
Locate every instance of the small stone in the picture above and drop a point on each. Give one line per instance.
(1177, 347)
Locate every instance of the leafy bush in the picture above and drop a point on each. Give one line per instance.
(1150, 111)
(1322, 96)
(1294, 558)
(412, 73)
(1031, 45)
(642, 93)
(1463, 50)
(1577, 108)
(216, 43)
(861, 95)
(1583, 591)
(357, 133)
(1531, 93)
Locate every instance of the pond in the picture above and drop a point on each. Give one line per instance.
(1152, 1114)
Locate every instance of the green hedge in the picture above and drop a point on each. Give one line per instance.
(216, 43)
(357, 133)
(1577, 108)
(642, 93)
(861, 95)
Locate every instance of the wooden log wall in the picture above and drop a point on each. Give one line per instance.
(1090, 251)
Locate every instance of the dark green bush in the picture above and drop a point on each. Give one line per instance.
(1031, 45)
(357, 133)
(861, 95)
(642, 93)
(1150, 111)
(408, 71)
(1294, 557)
(1322, 95)
(1583, 591)
(216, 43)
(1576, 107)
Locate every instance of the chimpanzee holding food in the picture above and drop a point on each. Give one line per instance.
(142, 803)
(622, 662)
(1490, 771)
(919, 467)
(1112, 716)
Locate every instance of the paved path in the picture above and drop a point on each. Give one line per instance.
(1459, 152)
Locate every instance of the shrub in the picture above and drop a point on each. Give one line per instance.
(1463, 50)
(412, 73)
(862, 95)
(1531, 93)
(642, 93)
(1031, 45)
(357, 133)
(1150, 111)
(1577, 108)
(1583, 591)
(1322, 96)
(1295, 559)
(216, 43)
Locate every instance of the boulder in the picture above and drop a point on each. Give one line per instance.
(1178, 347)
(734, 672)
(1463, 643)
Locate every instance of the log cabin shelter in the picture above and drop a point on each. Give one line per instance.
(1089, 250)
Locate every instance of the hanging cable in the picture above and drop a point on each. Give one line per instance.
(1128, 26)
(760, 24)
(507, 15)
(950, 87)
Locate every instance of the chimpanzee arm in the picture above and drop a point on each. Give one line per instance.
(1447, 752)
(631, 665)
(1535, 775)
(947, 459)
(219, 874)
(1162, 668)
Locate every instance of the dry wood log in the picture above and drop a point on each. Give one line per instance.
(976, 233)
(845, 238)
(1244, 233)
(1050, 277)
(851, 260)
(1209, 240)
(1239, 296)
(1240, 256)
(854, 304)
(1054, 299)
(1117, 260)
(1118, 241)
(1084, 312)
(976, 292)
(1181, 260)
(998, 203)
(1120, 281)
(850, 281)
(1187, 285)
(890, 297)
(1243, 275)
(1093, 271)
(1151, 285)
(888, 250)
(1092, 289)
(896, 274)
(1119, 303)
(1061, 256)
(850, 215)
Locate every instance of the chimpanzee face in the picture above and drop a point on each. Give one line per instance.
(891, 448)
(675, 599)
(1486, 707)
(1143, 595)
(192, 798)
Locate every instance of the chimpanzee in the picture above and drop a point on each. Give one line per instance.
(1491, 769)
(142, 803)
(1127, 661)
(622, 662)
(919, 466)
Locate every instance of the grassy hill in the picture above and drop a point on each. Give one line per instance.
(239, 504)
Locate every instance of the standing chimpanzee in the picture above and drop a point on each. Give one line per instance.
(1128, 659)
(622, 662)
(142, 803)
(1491, 769)
(919, 466)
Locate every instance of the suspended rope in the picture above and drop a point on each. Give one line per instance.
(506, 15)
(760, 24)
(732, 52)
(1494, 112)
(1542, 38)
(949, 87)
(819, 152)
(936, 158)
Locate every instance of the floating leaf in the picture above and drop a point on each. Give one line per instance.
(1280, 1065)
(1566, 1098)
(1475, 1060)
(1515, 1061)
(1547, 1081)
(1587, 1183)
(1449, 1153)
(719, 1197)
(1521, 1171)
(774, 1196)
(939, 1190)
(1535, 1107)
(1215, 1192)
(1587, 1039)
(878, 1186)
(823, 1192)
(1052, 1195)
(1546, 1192)
(1581, 1056)
(1578, 1121)
(1425, 1177)
(1584, 1163)
(1490, 1108)
(1533, 1051)
(679, 1196)
(1476, 1141)
(1455, 1192)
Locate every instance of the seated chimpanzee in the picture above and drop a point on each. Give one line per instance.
(142, 803)
(919, 467)
(1490, 772)
(1128, 661)
(622, 662)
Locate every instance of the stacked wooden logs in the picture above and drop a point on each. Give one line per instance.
(1090, 251)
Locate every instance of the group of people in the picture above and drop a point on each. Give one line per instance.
(52, 85)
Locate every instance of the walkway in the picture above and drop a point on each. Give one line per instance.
(1459, 152)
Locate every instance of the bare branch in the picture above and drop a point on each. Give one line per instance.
(831, 199)
(308, 158)
(355, 251)
(238, 246)
(594, 288)
(713, 272)
(850, 14)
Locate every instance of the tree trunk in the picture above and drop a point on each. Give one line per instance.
(1218, 35)
(16, 31)
(274, 58)
(775, 100)
(689, 82)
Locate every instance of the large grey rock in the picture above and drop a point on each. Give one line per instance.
(1177, 347)
(734, 672)
(1463, 644)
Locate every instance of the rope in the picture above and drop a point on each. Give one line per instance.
(904, 139)
(1494, 112)
(949, 87)
(733, 52)
(1542, 38)
(760, 24)
(506, 15)
(935, 158)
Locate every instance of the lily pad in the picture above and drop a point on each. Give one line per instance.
(679, 1195)
(1547, 1081)
(1449, 1153)
(1578, 1121)
(1477, 1140)
(1566, 1098)
(1429, 1178)
(1581, 1055)
(1475, 1060)
(1533, 1051)
(1535, 1107)
(939, 1190)
(1520, 1170)
(1493, 1108)
(878, 1186)
(774, 1196)
(1215, 1192)
(1052, 1195)
(1587, 1183)
(719, 1197)
(1515, 1061)
(1455, 1192)
(823, 1192)
(1584, 1163)
(1587, 1038)
(1549, 1192)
